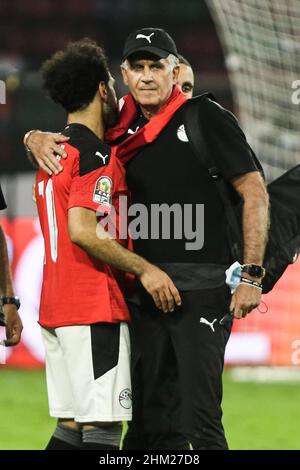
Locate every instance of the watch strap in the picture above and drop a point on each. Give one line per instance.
(254, 270)
(11, 300)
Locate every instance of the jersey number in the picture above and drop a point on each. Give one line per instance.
(51, 220)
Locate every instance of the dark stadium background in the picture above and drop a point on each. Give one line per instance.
(31, 30)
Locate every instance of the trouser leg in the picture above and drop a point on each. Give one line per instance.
(200, 348)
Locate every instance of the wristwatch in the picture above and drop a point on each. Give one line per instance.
(11, 300)
(253, 270)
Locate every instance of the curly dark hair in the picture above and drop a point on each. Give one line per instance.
(72, 76)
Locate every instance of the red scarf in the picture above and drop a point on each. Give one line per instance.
(147, 134)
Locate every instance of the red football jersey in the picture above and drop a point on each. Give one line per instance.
(78, 289)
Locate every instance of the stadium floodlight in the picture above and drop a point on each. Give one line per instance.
(261, 41)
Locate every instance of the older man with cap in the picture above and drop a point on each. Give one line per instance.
(178, 357)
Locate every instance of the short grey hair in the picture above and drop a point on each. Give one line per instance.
(172, 60)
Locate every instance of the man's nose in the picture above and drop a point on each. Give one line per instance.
(147, 75)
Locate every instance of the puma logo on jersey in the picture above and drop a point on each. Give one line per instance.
(103, 157)
(206, 322)
(130, 131)
(142, 36)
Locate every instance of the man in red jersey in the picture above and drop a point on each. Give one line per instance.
(83, 314)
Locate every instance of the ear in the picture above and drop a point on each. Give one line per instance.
(175, 74)
(103, 90)
(124, 75)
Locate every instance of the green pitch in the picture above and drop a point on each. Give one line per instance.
(256, 416)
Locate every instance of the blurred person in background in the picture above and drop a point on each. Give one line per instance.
(185, 79)
(9, 303)
(177, 380)
(83, 314)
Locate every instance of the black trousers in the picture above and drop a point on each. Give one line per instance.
(177, 364)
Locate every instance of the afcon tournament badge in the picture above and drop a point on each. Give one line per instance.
(125, 398)
(103, 191)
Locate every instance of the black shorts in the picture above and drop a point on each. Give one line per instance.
(177, 362)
